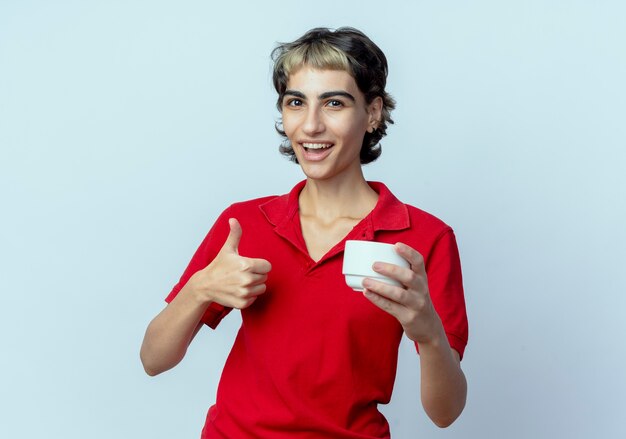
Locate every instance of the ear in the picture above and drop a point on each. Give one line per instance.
(375, 114)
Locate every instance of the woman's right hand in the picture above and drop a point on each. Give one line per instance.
(230, 279)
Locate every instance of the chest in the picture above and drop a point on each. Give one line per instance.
(320, 236)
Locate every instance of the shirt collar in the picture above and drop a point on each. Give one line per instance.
(388, 214)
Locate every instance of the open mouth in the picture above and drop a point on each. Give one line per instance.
(315, 147)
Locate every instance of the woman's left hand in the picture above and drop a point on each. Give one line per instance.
(409, 303)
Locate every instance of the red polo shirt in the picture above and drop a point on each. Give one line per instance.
(313, 358)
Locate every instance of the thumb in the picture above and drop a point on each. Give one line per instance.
(232, 241)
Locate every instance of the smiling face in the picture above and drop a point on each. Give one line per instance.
(325, 117)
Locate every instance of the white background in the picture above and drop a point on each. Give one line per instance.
(127, 126)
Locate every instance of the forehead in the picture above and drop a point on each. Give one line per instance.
(312, 80)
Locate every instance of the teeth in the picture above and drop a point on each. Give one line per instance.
(317, 145)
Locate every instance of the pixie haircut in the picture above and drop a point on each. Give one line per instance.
(346, 49)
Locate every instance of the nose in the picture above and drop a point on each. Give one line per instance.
(313, 123)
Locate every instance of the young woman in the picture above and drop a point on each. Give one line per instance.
(313, 358)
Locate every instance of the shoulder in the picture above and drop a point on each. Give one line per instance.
(422, 220)
(272, 207)
(269, 209)
(241, 210)
(410, 217)
(251, 205)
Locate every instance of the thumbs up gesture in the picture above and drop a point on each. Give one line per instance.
(230, 279)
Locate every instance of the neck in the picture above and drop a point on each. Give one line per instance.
(334, 198)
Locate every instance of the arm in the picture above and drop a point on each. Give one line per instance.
(443, 384)
(230, 279)
(171, 331)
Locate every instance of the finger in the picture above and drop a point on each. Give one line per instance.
(245, 293)
(259, 266)
(257, 290)
(405, 276)
(389, 292)
(234, 236)
(243, 303)
(414, 258)
(255, 279)
(383, 303)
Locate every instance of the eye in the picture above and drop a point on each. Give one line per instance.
(293, 102)
(334, 103)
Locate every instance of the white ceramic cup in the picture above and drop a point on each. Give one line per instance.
(358, 258)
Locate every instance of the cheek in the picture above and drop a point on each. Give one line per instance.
(288, 125)
(356, 131)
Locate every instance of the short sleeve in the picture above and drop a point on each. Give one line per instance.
(445, 284)
(203, 256)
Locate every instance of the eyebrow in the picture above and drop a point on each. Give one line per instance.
(325, 95)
